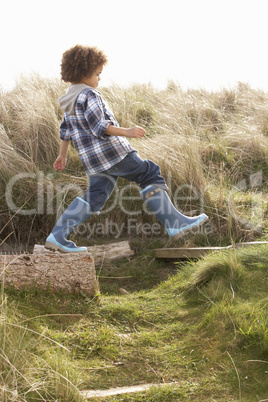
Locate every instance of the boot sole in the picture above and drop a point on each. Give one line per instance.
(53, 247)
(186, 231)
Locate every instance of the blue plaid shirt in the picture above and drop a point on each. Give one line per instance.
(86, 128)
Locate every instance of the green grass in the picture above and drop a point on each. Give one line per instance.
(204, 325)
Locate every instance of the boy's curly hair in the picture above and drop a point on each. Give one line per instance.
(80, 62)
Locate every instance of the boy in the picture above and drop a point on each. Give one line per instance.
(105, 153)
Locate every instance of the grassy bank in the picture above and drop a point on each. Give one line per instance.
(203, 327)
(212, 149)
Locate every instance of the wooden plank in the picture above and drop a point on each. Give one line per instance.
(185, 252)
(123, 390)
(197, 252)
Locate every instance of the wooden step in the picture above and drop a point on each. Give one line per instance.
(106, 251)
(197, 252)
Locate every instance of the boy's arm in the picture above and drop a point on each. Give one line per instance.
(61, 160)
(101, 126)
(133, 132)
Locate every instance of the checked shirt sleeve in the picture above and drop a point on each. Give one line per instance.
(95, 115)
(64, 133)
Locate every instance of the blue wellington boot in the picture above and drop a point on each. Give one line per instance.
(77, 212)
(175, 223)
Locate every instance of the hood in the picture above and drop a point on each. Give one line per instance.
(67, 101)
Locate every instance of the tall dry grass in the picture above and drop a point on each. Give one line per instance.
(31, 117)
(33, 367)
(205, 143)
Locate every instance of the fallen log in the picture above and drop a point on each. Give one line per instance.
(68, 272)
(108, 251)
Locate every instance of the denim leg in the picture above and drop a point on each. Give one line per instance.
(142, 171)
(100, 188)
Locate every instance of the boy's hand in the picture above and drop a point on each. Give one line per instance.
(135, 132)
(60, 163)
(61, 160)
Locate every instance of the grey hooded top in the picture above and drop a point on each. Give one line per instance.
(67, 101)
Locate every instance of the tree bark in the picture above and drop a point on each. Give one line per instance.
(54, 271)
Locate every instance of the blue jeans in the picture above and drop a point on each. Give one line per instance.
(141, 171)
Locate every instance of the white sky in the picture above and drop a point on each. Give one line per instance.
(197, 43)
